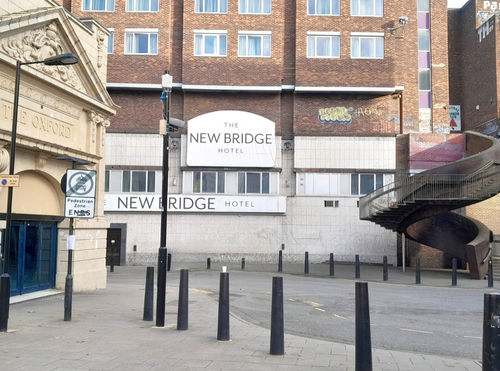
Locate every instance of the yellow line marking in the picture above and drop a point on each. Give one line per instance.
(202, 291)
(313, 304)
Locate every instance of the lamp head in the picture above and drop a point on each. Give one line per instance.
(61, 60)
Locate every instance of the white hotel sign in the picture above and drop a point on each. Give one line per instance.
(196, 203)
(231, 139)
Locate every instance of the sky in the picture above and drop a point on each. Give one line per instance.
(456, 3)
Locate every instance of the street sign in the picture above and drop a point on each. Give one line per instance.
(80, 186)
(79, 207)
(9, 180)
(80, 183)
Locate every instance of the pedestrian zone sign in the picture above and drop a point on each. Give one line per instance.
(80, 193)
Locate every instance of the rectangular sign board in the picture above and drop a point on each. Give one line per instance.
(9, 180)
(79, 207)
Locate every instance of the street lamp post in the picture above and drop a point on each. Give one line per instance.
(166, 125)
(58, 60)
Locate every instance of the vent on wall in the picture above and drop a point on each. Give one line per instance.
(331, 203)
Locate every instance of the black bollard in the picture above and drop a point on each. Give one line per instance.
(277, 323)
(454, 273)
(209, 263)
(306, 263)
(356, 267)
(223, 322)
(490, 273)
(280, 261)
(491, 332)
(363, 342)
(169, 261)
(182, 309)
(161, 284)
(332, 271)
(417, 272)
(112, 266)
(242, 263)
(386, 274)
(149, 294)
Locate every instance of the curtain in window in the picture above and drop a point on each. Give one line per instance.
(266, 40)
(379, 7)
(323, 7)
(198, 42)
(335, 46)
(355, 47)
(129, 43)
(223, 6)
(323, 46)
(198, 6)
(367, 48)
(111, 6)
(154, 5)
(366, 7)
(254, 6)
(242, 47)
(86, 5)
(311, 6)
(243, 6)
(311, 46)
(153, 43)
(211, 6)
(142, 5)
(99, 5)
(267, 7)
(222, 45)
(129, 6)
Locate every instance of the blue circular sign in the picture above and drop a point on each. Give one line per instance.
(4, 181)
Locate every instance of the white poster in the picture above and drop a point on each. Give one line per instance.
(231, 139)
(455, 124)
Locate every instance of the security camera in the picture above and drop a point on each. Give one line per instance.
(175, 124)
(403, 19)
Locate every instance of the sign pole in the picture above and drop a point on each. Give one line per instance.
(68, 287)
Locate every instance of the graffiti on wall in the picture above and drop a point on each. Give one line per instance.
(344, 115)
(485, 29)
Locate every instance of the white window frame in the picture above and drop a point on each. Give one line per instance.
(109, 6)
(231, 183)
(140, 31)
(336, 184)
(313, 36)
(333, 4)
(202, 4)
(264, 4)
(114, 181)
(265, 37)
(362, 36)
(356, 4)
(131, 6)
(111, 41)
(220, 34)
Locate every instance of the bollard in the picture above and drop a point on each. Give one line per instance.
(363, 343)
(223, 322)
(386, 274)
(490, 273)
(169, 261)
(417, 272)
(182, 311)
(491, 332)
(280, 261)
(209, 263)
(149, 294)
(356, 267)
(277, 323)
(454, 273)
(331, 265)
(306, 263)
(161, 284)
(242, 263)
(112, 266)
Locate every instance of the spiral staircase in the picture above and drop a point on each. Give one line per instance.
(421, 206)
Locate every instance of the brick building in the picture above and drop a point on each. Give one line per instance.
(351, 95)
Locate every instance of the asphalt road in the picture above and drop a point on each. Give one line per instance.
(433, 320)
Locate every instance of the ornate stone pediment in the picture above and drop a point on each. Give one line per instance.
(39, 44)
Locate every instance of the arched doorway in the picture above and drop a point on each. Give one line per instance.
(32, 252)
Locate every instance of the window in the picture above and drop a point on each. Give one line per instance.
(210, 43)
(253, 183)
(367, 7)
(362, 184)
(209, 182)
(131, 181)
(423, 5)
(210, 6)
(142, 6)
(111, 41)
(323, 45)
(99, 5)
(367, 46)
(424, 40)
(253, 45)
(255, 6)
(323, 7)
(139, 41)
(424, 79)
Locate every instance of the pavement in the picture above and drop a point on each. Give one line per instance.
(107, 331)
